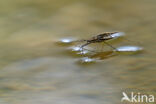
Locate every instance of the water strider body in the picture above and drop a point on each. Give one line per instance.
(101, 38)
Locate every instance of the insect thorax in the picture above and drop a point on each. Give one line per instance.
(101, 37)
(104, 36)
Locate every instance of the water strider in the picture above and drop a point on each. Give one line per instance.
(94, 56)
(102, 38)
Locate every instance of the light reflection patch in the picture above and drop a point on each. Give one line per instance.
(118, 34)
(129, 48)
(67, 40)
(87, 60)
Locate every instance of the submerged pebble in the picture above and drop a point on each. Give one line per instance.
(129, 48)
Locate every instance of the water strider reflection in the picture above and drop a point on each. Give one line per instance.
(104, 55)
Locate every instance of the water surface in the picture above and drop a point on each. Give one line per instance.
(35, 69)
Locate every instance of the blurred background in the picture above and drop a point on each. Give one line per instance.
(35, 70)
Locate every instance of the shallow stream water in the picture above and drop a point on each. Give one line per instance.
(35, 69)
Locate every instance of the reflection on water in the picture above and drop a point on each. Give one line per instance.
(129, 49)
(104, 55)
(35, 69)
(93, 55)
(87, 60)
(118, 34)
(66, 40)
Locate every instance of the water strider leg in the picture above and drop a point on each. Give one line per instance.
(102, 47)
(110, 46)
(131, 40)
(81, 40)
(84, 45)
